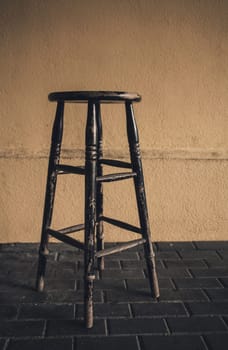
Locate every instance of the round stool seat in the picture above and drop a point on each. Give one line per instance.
(99, 96)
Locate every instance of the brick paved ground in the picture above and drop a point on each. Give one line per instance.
(192, 312)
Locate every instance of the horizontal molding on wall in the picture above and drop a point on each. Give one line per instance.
(150, 154)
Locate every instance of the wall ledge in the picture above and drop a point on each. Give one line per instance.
(149, 154)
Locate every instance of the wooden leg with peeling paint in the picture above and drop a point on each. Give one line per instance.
(133, 140)
(90, 212)
(99, 224)
(54, 157)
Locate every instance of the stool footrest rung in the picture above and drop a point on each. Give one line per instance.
(115, 177)
(116, 163)
(119, 248)
(121, 224)
(70, 169)
(72, 229)
(66, 239)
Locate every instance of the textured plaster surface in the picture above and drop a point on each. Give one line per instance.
(174, 53)
(185, 199)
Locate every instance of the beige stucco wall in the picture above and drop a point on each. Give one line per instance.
(174, 53)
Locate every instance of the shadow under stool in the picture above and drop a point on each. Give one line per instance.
(93, 245)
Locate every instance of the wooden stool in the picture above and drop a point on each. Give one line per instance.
(94, 179)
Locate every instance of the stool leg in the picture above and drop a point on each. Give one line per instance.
(90, 212)
(133, 140)
(57, 132)
(100, 226)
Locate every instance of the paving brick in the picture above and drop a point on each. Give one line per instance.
(185, 263)
(8, 312)
(133, 264)
(8, 284)
(217, 341)
(29, 274)
(136, 264)
(112, 264)
(70, 296)
(64, 274)
(58, 270)
(215, 262)
(61, 265)
(197, 283)
(59, 284)
(208, 308)
(20, 296)
(172, 272)
(106, 310)
(158, 309)
(211, 272)
(74, 328)
(172, 342)
(198, 254)
(166, 254)
(104, 343)
(72, 256)
(212, 245)
(144, 284)
(182, 295)
(21, 328)
(40, 344)
(19, 266)
(196, 324)
(22, 275)
(106, 284)
(217, 294)
(136, 326)
(120, 274)
(164, 283)
(128, 296)
(46, 311)
(175, 246)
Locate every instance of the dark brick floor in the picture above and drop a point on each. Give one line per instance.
(192, 312)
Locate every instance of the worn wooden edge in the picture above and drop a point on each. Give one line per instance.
(148, 154)
(94, 96)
